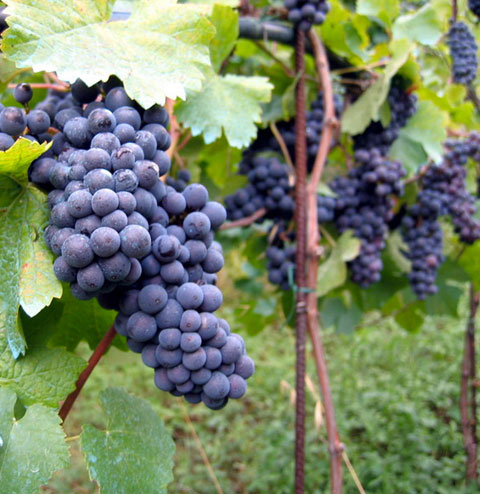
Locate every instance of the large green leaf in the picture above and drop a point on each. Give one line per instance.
(134, 453)
(31, 449)
(367, 108)
(230, 103)
(383, 10)
(44, 375)
(333, 272)
(225, 21)
(159, 52)
(346, 33)
(427, 128)
(422, 26)
(26, 274)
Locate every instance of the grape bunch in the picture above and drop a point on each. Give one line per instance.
(269, 187)
(181, 182)
(281, 265)
(402, 106)
(305, 13)
(364, 204)
(266, 141)
(141, 247)
(443, 192)
(463, 50)
(474, 6)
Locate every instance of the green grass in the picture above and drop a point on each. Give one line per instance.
(396, 396)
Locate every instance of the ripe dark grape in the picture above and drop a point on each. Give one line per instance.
(105, 241)
(38, 121)
(83, 93)
(13, 121)
(23, 93)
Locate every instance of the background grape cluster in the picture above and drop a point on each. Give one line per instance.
(463, 50)
(142, 247)
(443, 192)
(474, 6)
(403, 105)
(305, 13)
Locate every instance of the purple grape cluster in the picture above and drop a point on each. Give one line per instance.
(463, 51)
(281, 265)
(141, 247)
(474, 6)
(403, 105)
(266, 141)
(364, 204)
(305, 13)
(443, 192)
(269, 187)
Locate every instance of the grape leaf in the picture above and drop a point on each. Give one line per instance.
(159, 52)
(26, 274)
(134, 453)
(32, 448)
(346, 33)
(333, 272)
(44, 375)
(422, 26)
(225, 21)
(427, 128)
(367, 107)
(231, 103)
(79, 320)
(384, 10)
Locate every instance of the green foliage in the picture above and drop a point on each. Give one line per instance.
(367, 108)
(134, 452)
(396, 397)
(176, 37)
(44, 375)
(26, 276)
(333, 272)
(31, 448)
(72, 321)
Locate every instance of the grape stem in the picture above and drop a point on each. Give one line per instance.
(469, 384)
(454, 11)
(175, 131)
(43, 85)
(283, 146)
(330, 123)
(97, 354)
(245, 221)
(300, 257)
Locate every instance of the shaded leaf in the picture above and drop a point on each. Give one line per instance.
(33, 448)
(134, 453)
(44, 375)
(367, 107)
(80, 320)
